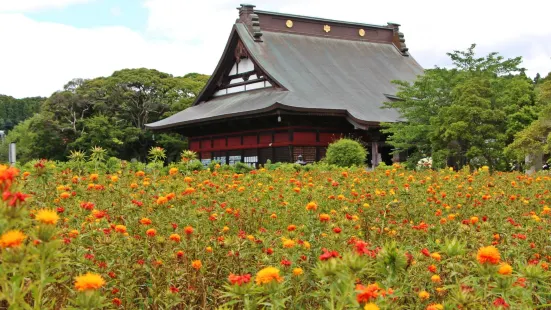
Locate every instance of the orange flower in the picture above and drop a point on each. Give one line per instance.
(145, 221)
(175, 237)
(324, 217)
(89, 282)
(367, 293)
(505, 269)
(489, 254)
(162, 200)
(120, 229)
(151, 232)
(140, 174)
(189, 230)
(312, 206)
(435, 279)
(12, 239)
(268, 275)
(94, 176)
(474, 220)
(173, 171)
(435, 307)
(65, 195)
(196, 264)
(436, 256)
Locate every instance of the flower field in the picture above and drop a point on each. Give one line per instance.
(316, 238)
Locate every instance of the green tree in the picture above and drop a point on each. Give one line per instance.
(466, 114)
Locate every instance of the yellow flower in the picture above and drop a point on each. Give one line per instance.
(12, 239)
(298, 271)
(306, 245)
(435, 278)
(89, 281)
(424, 295)
(435, 307)
(173, 171)
(267, 275)
(505, 269)
(371, 306)
(288, 243)
(46, 216)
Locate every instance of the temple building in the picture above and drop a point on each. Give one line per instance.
(289, 85)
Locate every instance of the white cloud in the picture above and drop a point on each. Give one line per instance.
(37, 58)
(41, 57)
(35, 5)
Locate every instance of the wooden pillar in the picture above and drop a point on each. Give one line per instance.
(375, 155)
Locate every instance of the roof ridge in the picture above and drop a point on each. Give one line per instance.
(320, 19)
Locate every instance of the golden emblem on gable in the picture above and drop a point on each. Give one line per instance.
(361, 32)
(326, 28)
(289, 23)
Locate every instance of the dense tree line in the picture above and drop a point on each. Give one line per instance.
(472, 113)
(13, 111)
(110, 112)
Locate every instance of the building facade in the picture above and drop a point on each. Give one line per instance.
(289, 85)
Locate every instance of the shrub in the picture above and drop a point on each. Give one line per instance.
(346, 153)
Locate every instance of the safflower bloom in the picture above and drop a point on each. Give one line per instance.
(489, 254)
(162, 200)
(424, 295)
(239, 279)
(89, 282)
(189, 230)
(324, 217)
(120, 229)
(173, 171)
(435, 279)
(371, 306)
(435, 307)
(436, 256)
(48, 217)
(298, 271)
(312, 206)
(145, 221)
(505, 269)
(267, 275)
(288, 243)
(151, 232)
(175, 237)
(65, 195)
(12, 239)
(367, 293)
(196, 264)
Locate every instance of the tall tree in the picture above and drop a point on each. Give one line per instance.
(467, 112)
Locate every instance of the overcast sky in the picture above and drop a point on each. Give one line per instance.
(45, 43)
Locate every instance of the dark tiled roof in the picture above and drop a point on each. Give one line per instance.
(317, 73)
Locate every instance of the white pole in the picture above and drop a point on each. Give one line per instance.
(11, 154)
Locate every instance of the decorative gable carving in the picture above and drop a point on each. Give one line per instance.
(244, 75)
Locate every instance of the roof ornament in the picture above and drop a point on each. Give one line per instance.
(399, 40)
(257, 32)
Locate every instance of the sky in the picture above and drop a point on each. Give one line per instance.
(46, 43)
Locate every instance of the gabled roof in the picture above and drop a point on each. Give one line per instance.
(312, 69)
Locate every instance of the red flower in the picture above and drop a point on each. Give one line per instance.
(117, 302)
(60, 210)
(337, 230)
(285, 262)
(328, 254)
(239, 279)
(500, 302)
(174, 289)
(425, 252)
